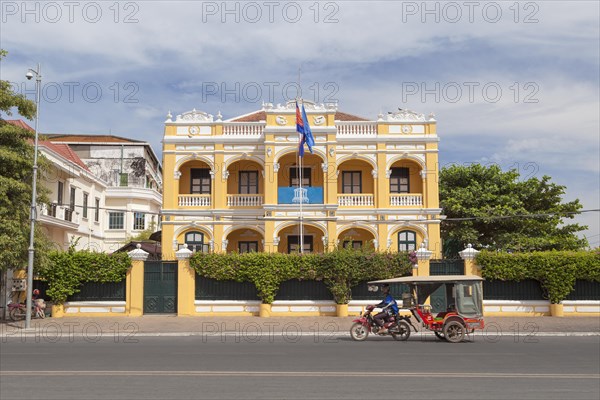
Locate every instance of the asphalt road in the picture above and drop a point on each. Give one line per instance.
(293, 367)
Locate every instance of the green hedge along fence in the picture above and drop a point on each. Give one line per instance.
(556, 271)
(339, 270)
(67, 272)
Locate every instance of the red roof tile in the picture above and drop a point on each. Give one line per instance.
(65, 152)
(57, 137)
(19, 123)
(342, 116)
(254, 117)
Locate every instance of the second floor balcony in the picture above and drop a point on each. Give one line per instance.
(57, 213)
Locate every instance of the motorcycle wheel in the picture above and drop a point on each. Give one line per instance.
(403, 332)
(359, 332)
(16, 314)
(40, 314)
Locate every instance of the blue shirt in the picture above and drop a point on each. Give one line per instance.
(387, 301)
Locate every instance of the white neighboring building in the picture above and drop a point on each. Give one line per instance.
(75, 211)
(133, 176)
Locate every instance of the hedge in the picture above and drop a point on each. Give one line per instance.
(555, 270)
(67, 271)
(340, 270)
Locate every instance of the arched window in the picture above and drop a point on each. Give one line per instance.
(407, 241)
(195, 241)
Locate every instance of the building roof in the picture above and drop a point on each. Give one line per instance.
(252, 117)
(19, 123)
(262, 116)
(61, 149)
(342, 116)
(65, 152)
(59, 137)
(150, 246)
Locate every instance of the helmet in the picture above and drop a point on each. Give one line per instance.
(385, 287)
(36, 291)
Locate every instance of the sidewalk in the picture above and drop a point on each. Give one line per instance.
(186, 326)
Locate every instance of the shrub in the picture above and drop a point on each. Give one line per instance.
(66, 271)
(340, 270)
(555, 270)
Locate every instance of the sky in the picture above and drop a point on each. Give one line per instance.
(511, 83)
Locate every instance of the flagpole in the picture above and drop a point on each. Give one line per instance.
(301, 216)
(301, 200)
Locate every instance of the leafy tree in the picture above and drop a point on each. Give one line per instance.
(16, 160)
(502, 212)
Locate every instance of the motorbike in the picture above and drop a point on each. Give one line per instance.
(398, 326)
(18, 311)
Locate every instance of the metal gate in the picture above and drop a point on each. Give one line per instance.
(441, 297)
(160, 287)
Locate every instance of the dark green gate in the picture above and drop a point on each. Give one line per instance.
(160, 287)
(439, 298)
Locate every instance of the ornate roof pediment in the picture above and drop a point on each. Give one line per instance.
(194, 116)
(406, 116)
(308, 106)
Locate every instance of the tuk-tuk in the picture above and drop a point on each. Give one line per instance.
(465, 303)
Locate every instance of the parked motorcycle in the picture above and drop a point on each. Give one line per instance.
(18, 311)
(398, 326)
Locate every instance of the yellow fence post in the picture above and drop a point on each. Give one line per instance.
(468, 255)
(186, 282)
(423, 255)
(134, 289)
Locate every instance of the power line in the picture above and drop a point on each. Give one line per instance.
(566, 213)
(262, 218)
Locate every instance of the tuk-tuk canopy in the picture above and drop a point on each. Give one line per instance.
(462, 291)
(430, 279)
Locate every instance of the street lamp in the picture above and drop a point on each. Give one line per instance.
(33, 212)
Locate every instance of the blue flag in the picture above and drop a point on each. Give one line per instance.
(303, 128)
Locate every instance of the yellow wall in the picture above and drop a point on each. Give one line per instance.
(356, 234)
(394, 237)
(243, 235)
(294, 231)
(234, 175)
(414, 175)
(365, 168)
(309, 160)
(184, 180)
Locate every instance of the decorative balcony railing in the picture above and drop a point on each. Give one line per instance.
(244, 200)
(59, 212)
(243, 129)
(306, 195)
(356, 129)
(355, 200)
(406, 200)
(194, 200)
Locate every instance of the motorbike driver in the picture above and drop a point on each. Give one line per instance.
(388, 306)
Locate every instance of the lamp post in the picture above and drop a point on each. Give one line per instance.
(33, 213)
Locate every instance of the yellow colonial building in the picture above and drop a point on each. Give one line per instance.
(234, 185)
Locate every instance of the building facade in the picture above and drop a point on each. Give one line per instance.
(234, 185)
(132, 177)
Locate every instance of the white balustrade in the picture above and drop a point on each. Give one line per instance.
(406, 200)
(244, 200)
(355, 200)
(243, 129)
(194, 200)
(355, 129)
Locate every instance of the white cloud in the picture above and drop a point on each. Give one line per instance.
(369, 54)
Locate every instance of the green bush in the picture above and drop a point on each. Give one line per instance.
(340, 270)
(555, 270)
(66, 271)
